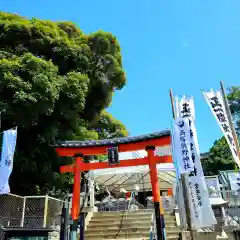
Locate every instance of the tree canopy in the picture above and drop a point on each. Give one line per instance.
(55, 82)
(220, 156)
(234, 99)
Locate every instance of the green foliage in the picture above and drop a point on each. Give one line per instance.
(220, 156)
(219, 159)
(234, 98)
(55, 82)
(108, 127)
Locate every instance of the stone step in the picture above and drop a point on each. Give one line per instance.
(169, 214)
(108, 235)
(133, 213)
(166, 211)
(110, 222)
(119, 238)
(169, 217)
(172, 228)
(117, 225)
(140, 212)
(135, 221)
(171, 222)
(116, 217)
(125, 229)
(121, 217)
(123, 222)
(129, 237)
(173, 237)
(172, 233)
(128, 230)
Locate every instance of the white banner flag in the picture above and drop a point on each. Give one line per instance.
(6, 160)
(185, 146)
(201, 210)
(202, 215)
(184, 107)
(215, 102)
(181, 146)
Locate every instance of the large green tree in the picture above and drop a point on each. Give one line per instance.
(220, 157)
(55, 82)
(234, 99)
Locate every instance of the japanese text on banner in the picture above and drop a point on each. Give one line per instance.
(185, 107)
(215, 102)
(182, 153)
(201, 211)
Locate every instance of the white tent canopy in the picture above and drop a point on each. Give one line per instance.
(130, 177)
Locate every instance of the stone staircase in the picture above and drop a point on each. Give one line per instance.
(129, 225)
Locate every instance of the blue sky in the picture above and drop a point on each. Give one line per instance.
(184, 45)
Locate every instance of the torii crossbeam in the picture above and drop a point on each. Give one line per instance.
(79, 149)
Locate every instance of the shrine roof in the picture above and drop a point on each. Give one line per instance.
(114, 141)
(130, 177)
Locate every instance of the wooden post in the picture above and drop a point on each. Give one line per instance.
(184, 182)
(229, 116)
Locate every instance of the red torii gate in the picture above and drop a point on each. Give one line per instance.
(79, 149)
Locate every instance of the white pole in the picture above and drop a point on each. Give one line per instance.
(45, 212)
(23, 212)
(91, 188)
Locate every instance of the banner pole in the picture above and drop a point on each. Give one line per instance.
(184, 182)
(172, 104)
(229, 116)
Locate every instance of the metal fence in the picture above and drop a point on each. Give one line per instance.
(11, 210)
(30, 211)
